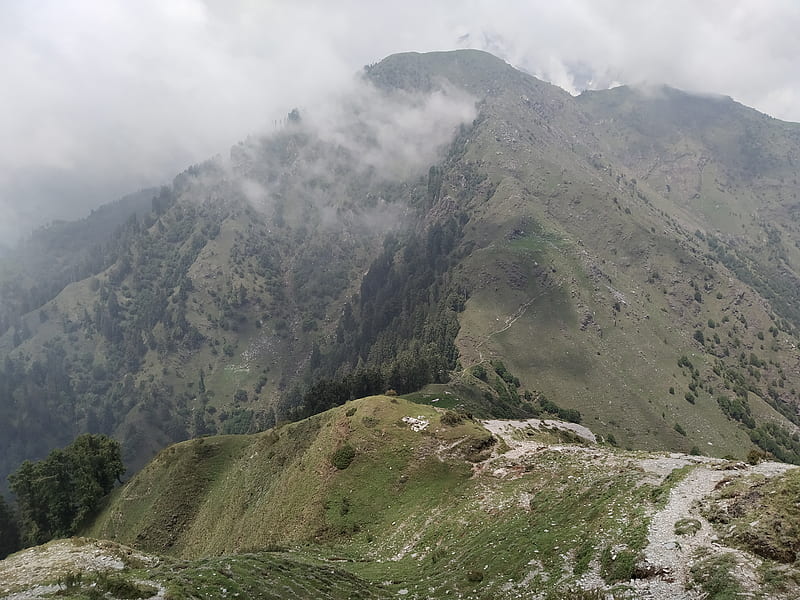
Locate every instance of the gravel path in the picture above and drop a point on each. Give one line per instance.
(668, 554)
(21, 573)
(672, 554)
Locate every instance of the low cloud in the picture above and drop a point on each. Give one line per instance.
(396, 133)
(107, 96)
(335, 159)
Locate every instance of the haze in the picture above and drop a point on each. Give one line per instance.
(104, 97)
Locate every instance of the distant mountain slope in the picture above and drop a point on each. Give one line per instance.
(633, 256)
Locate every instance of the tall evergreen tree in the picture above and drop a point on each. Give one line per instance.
(9, 530)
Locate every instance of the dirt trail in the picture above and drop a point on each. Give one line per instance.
(507, 323)
(673, 553)
(74, 555)
(667, 553)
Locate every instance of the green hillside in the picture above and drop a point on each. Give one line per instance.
(630, 255)
(383, 497)
(412, 507)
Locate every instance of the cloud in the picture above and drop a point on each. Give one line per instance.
(398, 134)
(106, 96)
(337, 161)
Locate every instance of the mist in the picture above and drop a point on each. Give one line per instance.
(107, 97)
(339, 158)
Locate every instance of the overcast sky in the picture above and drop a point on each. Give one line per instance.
(102, 97)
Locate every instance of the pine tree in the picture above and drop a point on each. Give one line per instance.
(9, 530)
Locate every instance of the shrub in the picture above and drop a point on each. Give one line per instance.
(451, 418)
(755, 456)
(343, 456)
(390, 393)
(679, 429)
(689, 397)
(617, 565)
(474, 576)
(479, 371)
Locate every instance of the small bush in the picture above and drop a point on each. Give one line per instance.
(343, 456)
(452, 418)
(680, 429)
(617, 565)
(350, 412)
(390, 393)
(687, 527)
(479, 371)
(474, 576)
(755, 456)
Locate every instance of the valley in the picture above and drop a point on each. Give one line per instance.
(456, 333)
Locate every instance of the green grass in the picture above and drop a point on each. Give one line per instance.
(406, 510)
(714, 576)
(264, 576)
(761, 516)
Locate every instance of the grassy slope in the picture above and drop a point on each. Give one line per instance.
(408, 509)
(573, 217)
(567, 234)
(282, 479)
(80, 569)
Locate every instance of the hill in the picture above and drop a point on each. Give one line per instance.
(383, 497)
(630, 255)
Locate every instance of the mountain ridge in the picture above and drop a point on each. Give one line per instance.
(541, 237)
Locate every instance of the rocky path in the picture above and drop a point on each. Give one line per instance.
(74, 555)
(671, 553)
(667, 554)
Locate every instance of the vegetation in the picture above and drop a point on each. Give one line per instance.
(9, 530)
(406, 493)
(57, 494)
(343, 456)
(714, 577)
(761, 516)
(198, 309)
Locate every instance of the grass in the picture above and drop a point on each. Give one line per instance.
(406, 510)
(714, 576)
(761, 516)
(263, 576)
(687, 526)
(660, 494)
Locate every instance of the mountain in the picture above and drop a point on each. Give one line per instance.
(627, 257)
(383, 498)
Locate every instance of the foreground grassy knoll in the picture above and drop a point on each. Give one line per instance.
(383, 497)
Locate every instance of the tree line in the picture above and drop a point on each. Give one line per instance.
(56, 495)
